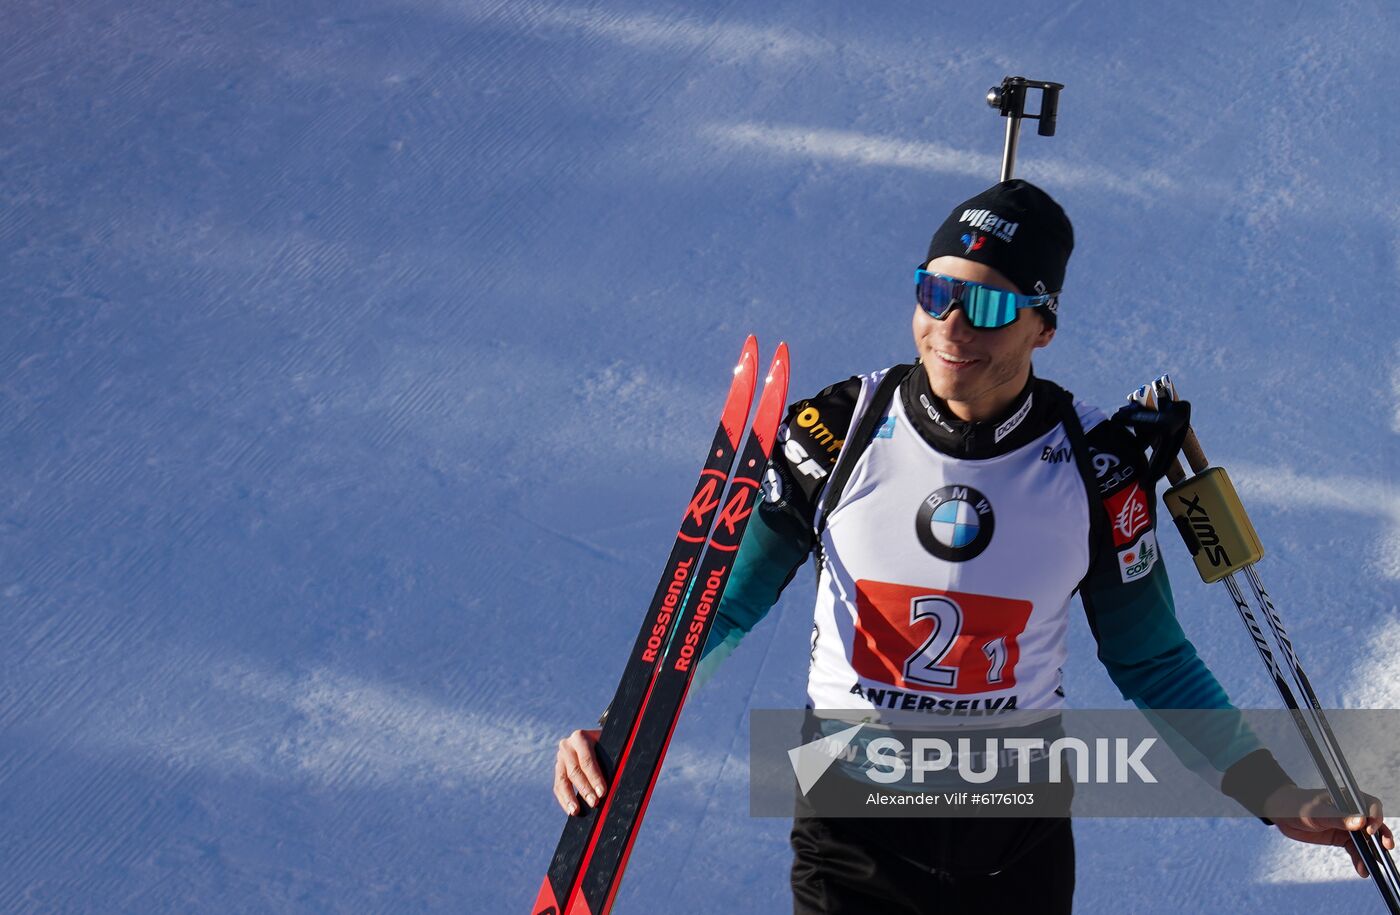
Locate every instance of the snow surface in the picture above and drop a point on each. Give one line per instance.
(355, 356)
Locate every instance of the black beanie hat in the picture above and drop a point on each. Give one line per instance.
(1015, 228)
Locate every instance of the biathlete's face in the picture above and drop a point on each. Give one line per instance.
(978, 372)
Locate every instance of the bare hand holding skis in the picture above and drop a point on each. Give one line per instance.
(576, 771)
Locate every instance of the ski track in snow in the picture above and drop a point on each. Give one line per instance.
(848, 147)
(1374, 500)
(335, 730)
(658, 33)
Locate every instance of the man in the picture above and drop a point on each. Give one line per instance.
(966, 482)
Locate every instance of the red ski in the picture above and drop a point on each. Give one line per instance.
(636, 771)
(657, 627)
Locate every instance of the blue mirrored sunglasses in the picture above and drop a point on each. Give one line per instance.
(986, 307)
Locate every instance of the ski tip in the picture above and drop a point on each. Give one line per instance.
(736, 407)
(774, 400)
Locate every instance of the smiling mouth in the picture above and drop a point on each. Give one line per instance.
(948, 359)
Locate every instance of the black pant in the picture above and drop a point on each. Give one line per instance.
(923, 866)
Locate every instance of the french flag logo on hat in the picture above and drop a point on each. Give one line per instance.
(972, 242)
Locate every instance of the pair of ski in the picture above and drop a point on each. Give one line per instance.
(587, 867)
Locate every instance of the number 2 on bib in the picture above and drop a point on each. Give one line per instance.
(930, 640)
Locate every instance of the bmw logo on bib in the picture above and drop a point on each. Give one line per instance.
(955, 523)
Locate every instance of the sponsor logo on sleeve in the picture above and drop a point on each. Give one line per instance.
(773, 487)
(886, 428)
(1103, 462)
(818, 441)
(1111, 472)
(797, 455)
(1137, 560)
(1127, 513)
(819, 435)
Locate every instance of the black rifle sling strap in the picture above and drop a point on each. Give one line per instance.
(857, 440)
(1079, 447)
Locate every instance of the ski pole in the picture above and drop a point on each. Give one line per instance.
(1213, 522)
(1195, 456)
(1010, 99)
